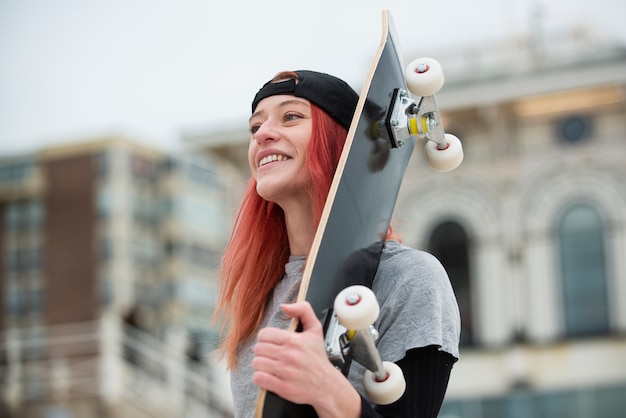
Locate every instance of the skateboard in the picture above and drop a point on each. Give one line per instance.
(349, 240)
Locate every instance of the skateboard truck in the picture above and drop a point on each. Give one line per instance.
(344, 345)
(361, 347)
(336, 341)
(351, 336)
(406, 117)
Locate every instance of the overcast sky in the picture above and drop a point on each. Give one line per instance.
(153, 69)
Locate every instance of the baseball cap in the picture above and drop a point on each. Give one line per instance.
(333, 95)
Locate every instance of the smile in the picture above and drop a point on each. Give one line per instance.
(271, 158)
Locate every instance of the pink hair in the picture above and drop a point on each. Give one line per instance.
(255, 258)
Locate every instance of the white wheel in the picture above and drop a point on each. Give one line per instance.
(356, 307)
(424, 76)
(386, 391)
(447, 159)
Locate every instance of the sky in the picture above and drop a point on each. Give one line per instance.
(156, 70)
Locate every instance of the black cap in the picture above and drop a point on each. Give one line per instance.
(333, 95)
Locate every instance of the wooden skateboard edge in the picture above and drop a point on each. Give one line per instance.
(319, 234)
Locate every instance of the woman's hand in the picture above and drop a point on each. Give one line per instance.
(294, 365)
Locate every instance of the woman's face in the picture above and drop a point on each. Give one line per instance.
(281, 130)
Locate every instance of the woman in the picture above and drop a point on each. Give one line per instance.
(298, 128)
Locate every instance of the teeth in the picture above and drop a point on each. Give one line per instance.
(271, 158)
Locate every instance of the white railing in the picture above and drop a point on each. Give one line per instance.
(110, 363)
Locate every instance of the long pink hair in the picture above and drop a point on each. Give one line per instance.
(254, 260)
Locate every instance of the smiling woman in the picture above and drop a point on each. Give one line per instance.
(255, 258)
(298, 128)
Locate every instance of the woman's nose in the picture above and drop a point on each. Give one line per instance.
(266, 132)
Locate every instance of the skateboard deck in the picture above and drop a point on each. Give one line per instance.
(350, 237)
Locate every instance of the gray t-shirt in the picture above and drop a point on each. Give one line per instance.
(417, 309)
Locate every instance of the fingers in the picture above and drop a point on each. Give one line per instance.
(304, 312)
(287, 362)
(275, 336)
(295, 366)
(279, 360)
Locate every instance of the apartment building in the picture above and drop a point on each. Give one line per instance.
(108, 259)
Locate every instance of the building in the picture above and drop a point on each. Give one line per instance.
(108, 260)
(531, 227)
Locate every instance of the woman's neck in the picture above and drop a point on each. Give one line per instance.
(300, 229)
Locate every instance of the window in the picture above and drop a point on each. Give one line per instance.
(13, 301)
(104, 202)
(16, 171)
(574, 129)
(35, 258)
(103, 163)
(24, 214)
(13, 264)
(449, 243)
(12, 217)
(583, 272)
(34, 214)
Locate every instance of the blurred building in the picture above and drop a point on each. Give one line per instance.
(108, 259)
(531, 227)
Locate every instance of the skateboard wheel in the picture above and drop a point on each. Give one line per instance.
(446, 159)
(386, 391)
(424, 76)
(356, 307)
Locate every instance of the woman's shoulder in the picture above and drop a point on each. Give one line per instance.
(406, 272)
(416, 300)
(397, 257)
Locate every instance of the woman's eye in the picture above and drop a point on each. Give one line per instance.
(254, 128)
(292, 116)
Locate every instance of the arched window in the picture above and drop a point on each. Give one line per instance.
(583, 272)
(449, 243)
